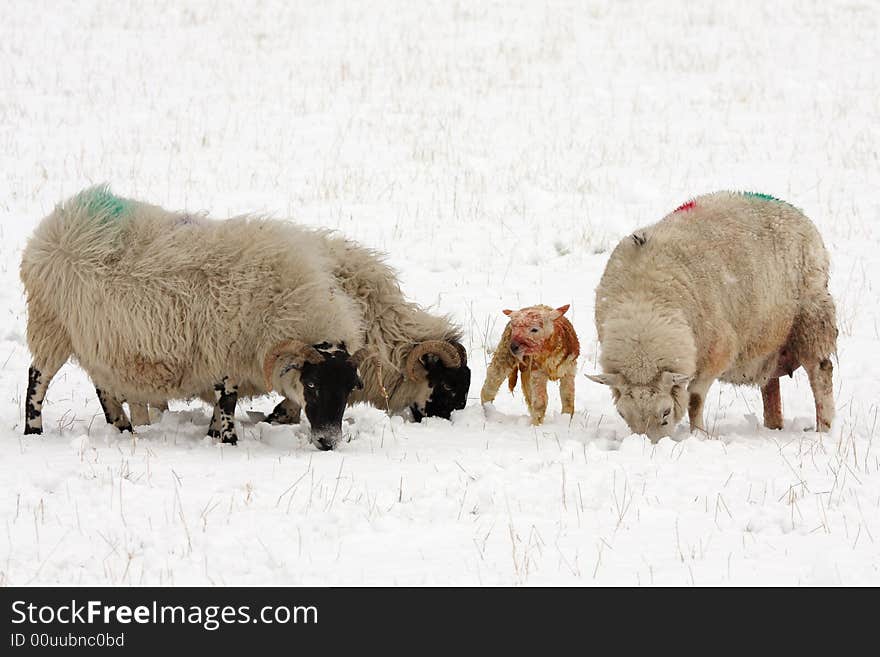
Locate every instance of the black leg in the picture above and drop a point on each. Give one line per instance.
(113, 412)
(286, 412)
(33, 404)
(226, 415)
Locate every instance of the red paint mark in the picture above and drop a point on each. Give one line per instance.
(684, 207)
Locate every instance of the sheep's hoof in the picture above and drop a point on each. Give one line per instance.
(213, 433)
(125, 427)
(282, 417)
(32, 431)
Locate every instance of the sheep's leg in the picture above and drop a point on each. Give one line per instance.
(227, 397)
(50, 345)
(697, 391)
(38, 383)
(820, 374)
(538, 384)
(214, 427)
(113, 411)
(140, 413)
(566, 392)
(286, 412)
(772, 404)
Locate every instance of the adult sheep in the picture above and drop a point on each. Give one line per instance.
(415, 360)
(157, 305)
(729, 286)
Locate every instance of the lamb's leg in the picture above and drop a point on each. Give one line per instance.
(224, 411)
(538, 384)
(286, 412)
(566, 392)
(495, 376)
(525, 380)
(820, 374)
(697, 391)
(772, 404)
(113, 411)
(502, 363)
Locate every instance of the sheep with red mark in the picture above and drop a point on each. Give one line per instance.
(730, 286)
(539, 345)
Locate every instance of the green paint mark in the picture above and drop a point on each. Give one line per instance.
(100, 201)
(763, 197)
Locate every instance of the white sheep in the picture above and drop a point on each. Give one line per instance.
(158, 305)
(729, 286)
(414, 360)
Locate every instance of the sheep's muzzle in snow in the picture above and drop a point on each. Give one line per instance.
(327, 374)
(444, 366)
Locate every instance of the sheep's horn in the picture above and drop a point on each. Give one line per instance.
(359, 356)
(448, 353)
(298, 352)
(462, 352)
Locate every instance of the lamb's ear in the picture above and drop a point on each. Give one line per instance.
(507, 312)
(613, 380)
(670, 379)
(559, 312)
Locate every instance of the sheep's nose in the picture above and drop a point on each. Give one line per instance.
(514, 347)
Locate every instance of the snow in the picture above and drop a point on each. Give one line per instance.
(496, 151)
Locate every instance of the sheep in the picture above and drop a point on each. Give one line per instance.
(415, 361)
(540, 344)
(730, 286)
(158, 305)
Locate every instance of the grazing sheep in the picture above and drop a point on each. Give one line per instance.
(415, 360)
(158, 305)
(730, 286)
(540, 344)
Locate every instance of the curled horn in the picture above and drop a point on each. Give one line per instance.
(298, 352)
(448, 353)
(359, 356)
(462, 352)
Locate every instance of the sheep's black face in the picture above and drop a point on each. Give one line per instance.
(448, 390)
(326, 387)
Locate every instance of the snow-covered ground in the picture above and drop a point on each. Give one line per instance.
(495, 151)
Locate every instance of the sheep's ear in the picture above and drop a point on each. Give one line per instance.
(507, 312)
(670, 379)
(559, 312)
(613, 380)
(639, 239)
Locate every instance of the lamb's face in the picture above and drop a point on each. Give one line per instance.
(653, 409)
(530, 328)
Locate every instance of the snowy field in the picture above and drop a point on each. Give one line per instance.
(496, 151)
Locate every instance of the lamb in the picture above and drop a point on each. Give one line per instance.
(158, 305)
(540, 344)
(730, 286)
(415, 361)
